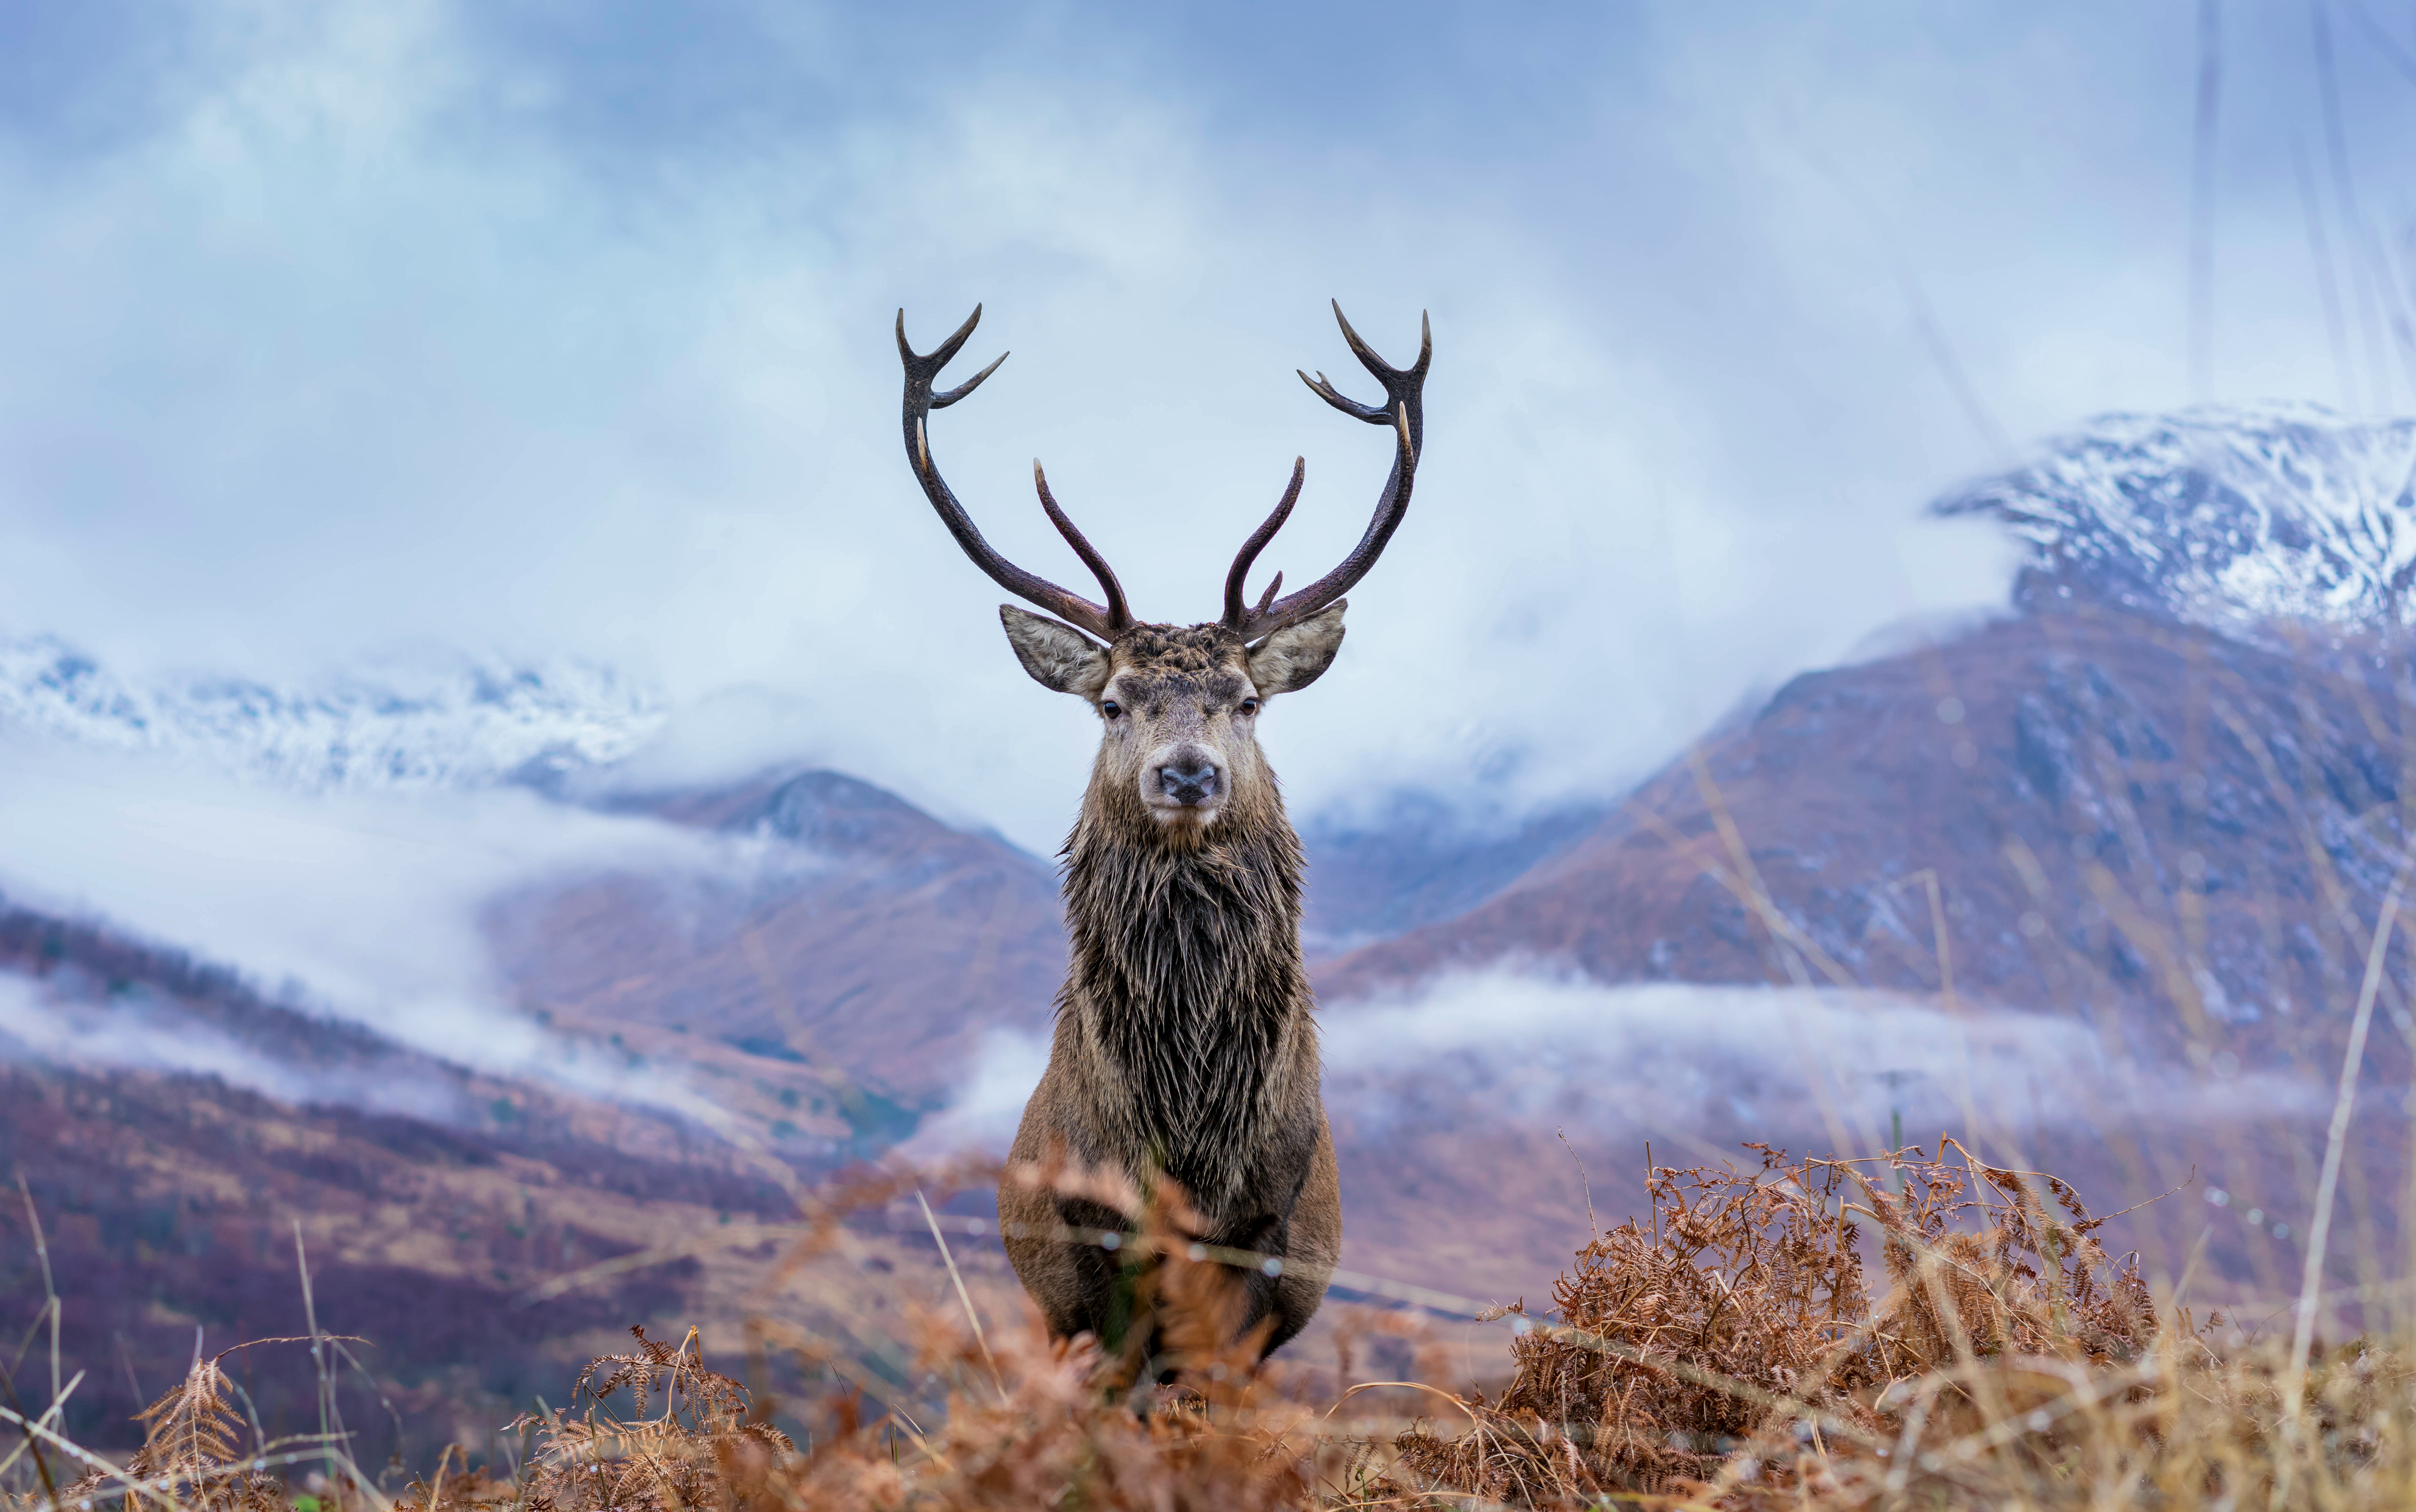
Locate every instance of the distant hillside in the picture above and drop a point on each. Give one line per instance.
(2171, 786)
(878, 946)
(2119, 813)
(170, 1195)
(1419, 860)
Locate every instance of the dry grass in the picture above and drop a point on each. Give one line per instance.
(1726, 1345)
(1722, 1351)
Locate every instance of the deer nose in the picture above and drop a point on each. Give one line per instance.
(1191, 777)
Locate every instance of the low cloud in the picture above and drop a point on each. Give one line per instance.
(42, 1024)
(1544, 1047)
(1540, 1050)
(984, 1113)
(356, 907)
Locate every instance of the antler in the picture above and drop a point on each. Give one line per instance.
(1108, 620)
(1401, 411)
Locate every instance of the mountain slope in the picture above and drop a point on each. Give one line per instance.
(875, 946)
(2116, 811)
(2144, 789)
(2160, 812)
(186, 1125)
(1419, 861)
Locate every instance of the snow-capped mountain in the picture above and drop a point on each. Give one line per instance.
(2237, 518)
(457, 722)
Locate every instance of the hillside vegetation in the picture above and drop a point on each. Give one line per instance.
(1727, 1349)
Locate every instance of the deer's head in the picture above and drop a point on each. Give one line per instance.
(1178, 706)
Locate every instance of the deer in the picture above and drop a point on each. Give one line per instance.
(1185, 1048)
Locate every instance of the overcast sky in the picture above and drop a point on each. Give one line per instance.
(556, 328)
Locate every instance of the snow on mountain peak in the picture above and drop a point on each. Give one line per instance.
(2235, 517)
(457, 723)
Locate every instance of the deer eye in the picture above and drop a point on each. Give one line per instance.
(1249, 706)
(1111, 708)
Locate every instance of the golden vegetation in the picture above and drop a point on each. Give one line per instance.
(1724, 1350)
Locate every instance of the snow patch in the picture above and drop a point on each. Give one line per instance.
(2234, 516)
(444, 721)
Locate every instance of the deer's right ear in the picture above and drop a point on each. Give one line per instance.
(1058, 656)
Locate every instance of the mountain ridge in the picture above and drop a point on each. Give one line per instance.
(2240, 518)
(450, 721)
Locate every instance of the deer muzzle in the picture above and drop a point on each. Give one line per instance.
(1183, 779)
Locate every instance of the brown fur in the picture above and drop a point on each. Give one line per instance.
(1184, 1044)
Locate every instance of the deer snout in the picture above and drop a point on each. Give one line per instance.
(1188, 775)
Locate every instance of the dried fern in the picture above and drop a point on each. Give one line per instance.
(592, 1456)
(1734, 1328)
(191, 1453)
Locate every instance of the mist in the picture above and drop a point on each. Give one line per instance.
(1537, 1048)
(38, 1022)
(536, 333)
(362, 908)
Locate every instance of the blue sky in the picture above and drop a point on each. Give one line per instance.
(562, 329)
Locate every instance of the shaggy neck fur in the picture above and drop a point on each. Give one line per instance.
(1186, 978)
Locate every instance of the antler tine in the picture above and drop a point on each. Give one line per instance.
(941, 355)
(1383, 371)
(1394, 379)
(1236, 616)
(1324, 390)
(1107, 620)
(1119, 615)
(1402, 411)
(940, 401)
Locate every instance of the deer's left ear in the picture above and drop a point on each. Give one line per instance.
(1298, 655)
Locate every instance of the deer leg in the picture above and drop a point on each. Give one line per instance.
(1077, 1283)
(1265, 1233)
(1304, 1242)
(1105, 1280)
(1312, 1243)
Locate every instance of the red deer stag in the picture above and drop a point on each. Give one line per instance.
(1183, 1042)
